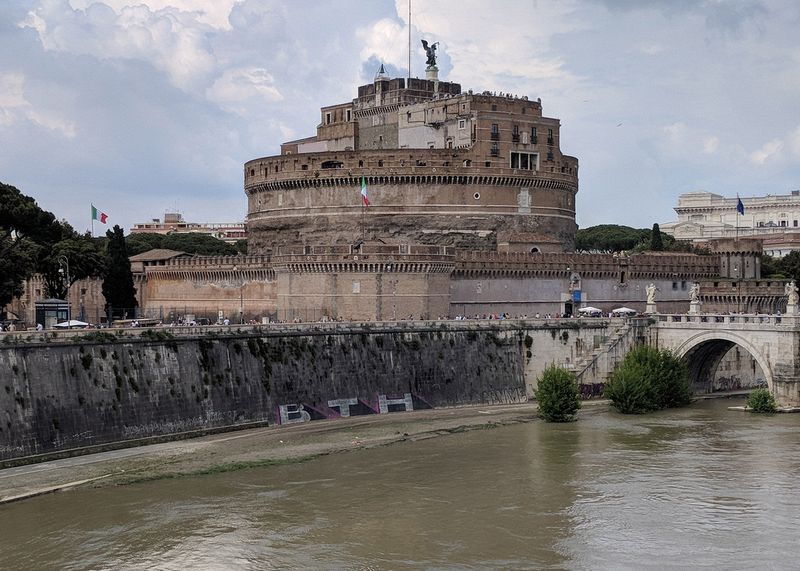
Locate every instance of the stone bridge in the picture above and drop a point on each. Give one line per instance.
(702, 340)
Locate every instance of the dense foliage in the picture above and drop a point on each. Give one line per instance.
(761, 400)
(648, 380)
(33, 241)
(118, 279)
(787, 267)
(615, 238)
(558, 395)
(190, 242)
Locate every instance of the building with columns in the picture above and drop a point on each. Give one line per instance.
(703, 216)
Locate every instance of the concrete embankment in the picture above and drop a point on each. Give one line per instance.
(94, 392)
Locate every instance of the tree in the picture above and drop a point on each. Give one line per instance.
(118, 279)
(26, 234)
(609, 238)
(558, 395)
(656, 244)
(789, 266)
(761, 400)
(189, 242)
(648, 380)
(143, 242)
(83, 259)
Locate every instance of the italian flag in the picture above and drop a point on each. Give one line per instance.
(97, 215)
(364, 197)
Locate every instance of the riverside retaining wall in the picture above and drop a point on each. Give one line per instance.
(75, 390)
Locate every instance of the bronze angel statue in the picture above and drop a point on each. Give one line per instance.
(430, 51)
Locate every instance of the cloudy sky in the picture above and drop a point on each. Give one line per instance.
(147, 106)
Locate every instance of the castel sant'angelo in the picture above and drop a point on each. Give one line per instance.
(417, 199)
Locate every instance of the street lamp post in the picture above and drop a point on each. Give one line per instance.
(63, 271)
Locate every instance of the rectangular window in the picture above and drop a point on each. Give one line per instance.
(524, 138)
(327, 118)
(356, 287)
(524, 161)
(349, 115)
(462, 123)
(495, 132)
(794, 223)
(533, 136)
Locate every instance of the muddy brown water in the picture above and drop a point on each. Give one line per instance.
(700, 487)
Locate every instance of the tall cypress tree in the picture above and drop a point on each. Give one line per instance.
(656, 245)
(118, 280)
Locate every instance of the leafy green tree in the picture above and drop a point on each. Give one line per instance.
(189, 242)
(83, 256)
(770, 267)
(761, 400)
(789, 266)
(656, 244)
(648, 380)
(26, 234)
(558, 395)
(609, 238)
(143, 242)
(118, 286)
(197, 243)
(241, 246)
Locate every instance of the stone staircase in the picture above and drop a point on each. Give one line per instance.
(596, 367)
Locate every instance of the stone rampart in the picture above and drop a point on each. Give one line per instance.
(73, 391)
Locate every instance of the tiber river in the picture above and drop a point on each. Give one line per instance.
(700, 487)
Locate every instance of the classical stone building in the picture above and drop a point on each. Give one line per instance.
(703, 216)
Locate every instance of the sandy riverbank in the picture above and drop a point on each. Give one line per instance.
(254, 447)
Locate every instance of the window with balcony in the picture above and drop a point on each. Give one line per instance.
(495, 132)
(534, 138)
(550, 137)
(495, 151)
(515, 133)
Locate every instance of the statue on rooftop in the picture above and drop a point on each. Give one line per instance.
(430, 51)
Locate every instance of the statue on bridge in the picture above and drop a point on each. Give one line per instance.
(651, 293)
(790, 290)
(694, 292)
(694, 298)
(651, 290)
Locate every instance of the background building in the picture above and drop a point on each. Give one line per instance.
(704, 216)
(175, 224)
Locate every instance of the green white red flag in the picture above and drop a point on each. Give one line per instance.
(99, 216)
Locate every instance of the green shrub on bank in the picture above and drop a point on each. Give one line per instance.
(648, 380)
(558, 395)
(761, 400)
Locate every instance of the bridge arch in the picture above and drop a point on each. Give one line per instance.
(704, 351)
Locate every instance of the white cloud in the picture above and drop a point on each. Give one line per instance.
(15, 107)
(710, 145)
(676, 132)
(214, 13)
(240, 88)
(172, 40)
(768, 152)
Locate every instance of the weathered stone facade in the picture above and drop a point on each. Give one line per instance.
(476, 171)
